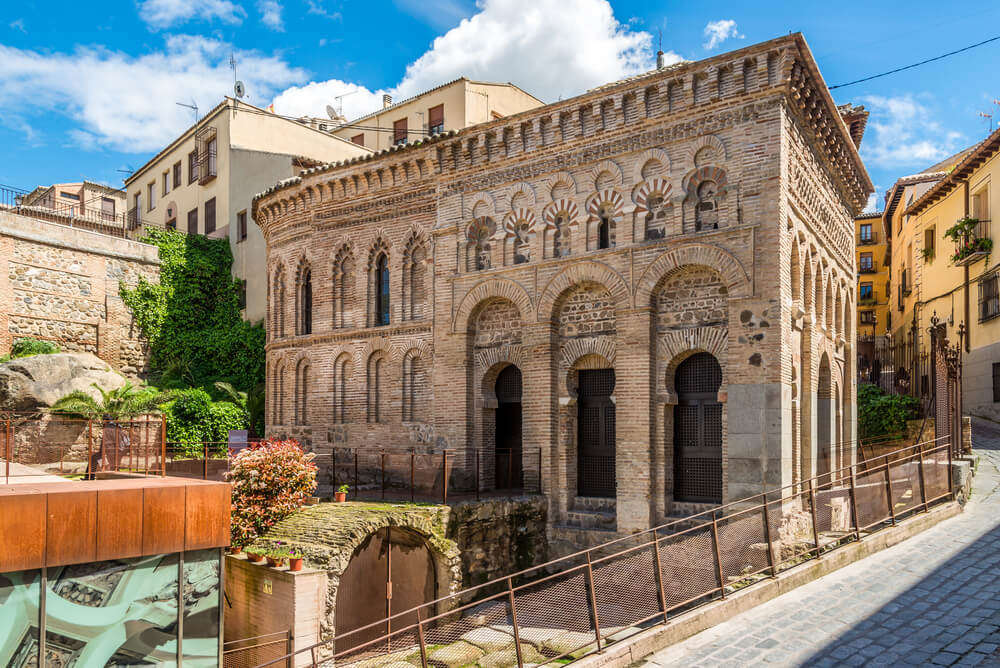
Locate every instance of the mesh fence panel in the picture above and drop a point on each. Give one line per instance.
(936, 473)
(742, 545)
(870, 493)
(470, 633)
(905, 478)
(626, 589)
(687, 566)
(254, 655)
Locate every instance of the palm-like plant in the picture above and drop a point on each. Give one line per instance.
(120, 403)
(251, 402)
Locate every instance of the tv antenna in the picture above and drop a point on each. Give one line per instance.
(339, 109)
(193, 106)
(129, 169)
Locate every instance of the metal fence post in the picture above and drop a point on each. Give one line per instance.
(717, 553)
(423, 642)
(767, 532)
(592, 597)
(923, 478)
(513, 619)
(812, 503)
(163, 447)
(90, 449)
(661, 591)
(888, 492)
(854, 507)
(204, 466)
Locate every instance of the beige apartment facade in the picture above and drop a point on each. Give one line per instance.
(203, 182)
(451, 106)
(957, 278)
(652, 284)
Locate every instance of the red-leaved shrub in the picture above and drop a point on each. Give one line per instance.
(271, 480)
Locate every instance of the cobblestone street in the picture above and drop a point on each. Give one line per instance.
(931, 600)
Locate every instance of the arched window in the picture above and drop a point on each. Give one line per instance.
(279, 395)
(305, 302)
(382, 290)
(414, 389)
(340, 372)
(560, 237)
(343, 288)
(603, 228)
(278, 305)
(376, 369)
(302, 393)
(414, 280)
(478, 235)
(706, 212)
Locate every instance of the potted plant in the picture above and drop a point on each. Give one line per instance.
(341, 494)
(254, 555)
(294, 560)
(927, 253)
(276, 556)
(235, 549)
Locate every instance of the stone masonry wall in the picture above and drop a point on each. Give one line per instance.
(61, 284)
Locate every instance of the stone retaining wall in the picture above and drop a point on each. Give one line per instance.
(60, 284)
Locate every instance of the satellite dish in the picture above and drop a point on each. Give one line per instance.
(331, 112)
(239, 89)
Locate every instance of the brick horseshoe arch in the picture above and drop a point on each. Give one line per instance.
(729, 269)
(494, 287)
(585, 272)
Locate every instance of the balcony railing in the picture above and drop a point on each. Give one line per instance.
(867, 269)
(869, 239)
(973, 244)
(207, 166)
(75, 214)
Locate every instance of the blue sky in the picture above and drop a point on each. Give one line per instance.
(85, 93)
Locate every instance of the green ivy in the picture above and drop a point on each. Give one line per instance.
(880, 413)
(193, 418)
(192, 317)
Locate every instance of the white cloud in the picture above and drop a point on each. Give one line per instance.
(270, 14)
(17, 24)
(125, 102)
(159, 14)
(872, 205)
(902, 133)
(318, 8)
(717, 32)
(551, 48)
(440, 14)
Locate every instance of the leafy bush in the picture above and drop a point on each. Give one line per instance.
(192, 316)
(880, 413)
(271, 480)
(28, 347)
(193, 418)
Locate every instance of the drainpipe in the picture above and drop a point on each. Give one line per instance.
(968, 322)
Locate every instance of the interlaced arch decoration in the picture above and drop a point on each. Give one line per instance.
(709, 141)
(522, 192)
(705, 189)
(561, 219)
(652, 200)
(645, 170)
(584, 272)
(480, 204)
(610, 167)
(676, 346)
(604, 208)
(561, 184)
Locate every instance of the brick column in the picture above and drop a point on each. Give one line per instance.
(539, 412)
(633, 462)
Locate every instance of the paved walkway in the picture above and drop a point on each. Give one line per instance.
(933, 600)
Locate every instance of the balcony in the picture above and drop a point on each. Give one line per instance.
(869, 239)
(867, 269)
(207, 166)
(972, 241)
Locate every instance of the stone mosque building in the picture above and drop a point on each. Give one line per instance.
(650, 284)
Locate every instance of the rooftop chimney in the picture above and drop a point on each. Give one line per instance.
(660, 61)
(386, 101)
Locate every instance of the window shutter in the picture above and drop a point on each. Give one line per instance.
(435, 116)
(399, 130)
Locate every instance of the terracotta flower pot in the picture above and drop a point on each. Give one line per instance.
(254, 557)
(271, 562)
(341, 497)
(295, 564)
(235, 550)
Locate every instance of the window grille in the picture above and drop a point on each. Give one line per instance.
(989, 298)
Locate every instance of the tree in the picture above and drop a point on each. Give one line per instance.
(120, 403)
(252, 403)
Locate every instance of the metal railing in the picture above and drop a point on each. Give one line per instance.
(75, 214)
(570, 607)
(869, 239)
(436, 476)
(247, 652)
(974, 245)
(51, 444)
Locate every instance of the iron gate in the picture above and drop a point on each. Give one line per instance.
(946, 369)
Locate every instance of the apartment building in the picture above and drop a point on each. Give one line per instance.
(203, 182)
(949, 240)
(873, 285)
(451, 106)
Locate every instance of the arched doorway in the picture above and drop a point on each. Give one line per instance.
(698, 430)
(596, 434)
(507, 454)
(824, 421)
(391, 571)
